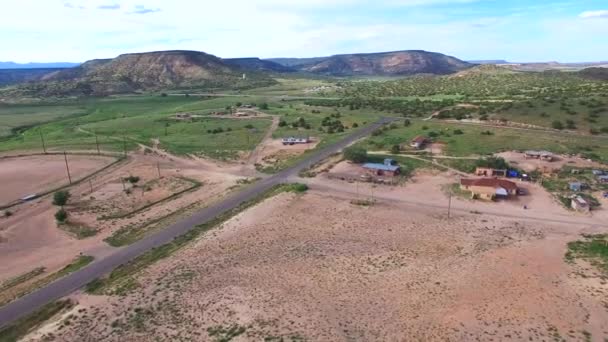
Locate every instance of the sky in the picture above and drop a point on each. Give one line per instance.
(514, 30)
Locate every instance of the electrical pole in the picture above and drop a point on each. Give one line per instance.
(97, 143)
(124, 145)
(449, 204)
(67, 167)
(42, 139)
(158, 169)
(91, 185)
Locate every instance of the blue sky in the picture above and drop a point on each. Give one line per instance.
(516, 30)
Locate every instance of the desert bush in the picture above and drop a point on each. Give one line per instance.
(61, 215)
(355, 154)
(61, 198)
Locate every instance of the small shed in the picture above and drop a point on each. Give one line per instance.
(580, 204)
(419, 142)
(597, 172)
(575, 186)
(602, 179)
(490, 172)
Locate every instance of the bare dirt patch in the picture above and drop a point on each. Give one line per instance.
(23, 176)
(519, 160)
(316, 267)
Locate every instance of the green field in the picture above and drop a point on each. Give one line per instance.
(475, 140)
(127, 121)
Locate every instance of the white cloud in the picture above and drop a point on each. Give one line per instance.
(594, 14)
(77, 30)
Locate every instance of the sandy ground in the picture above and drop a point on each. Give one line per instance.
(29, 175)
(30, 238)
(316, 267)
(519, 160)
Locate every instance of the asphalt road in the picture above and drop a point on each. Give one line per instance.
(72, 282)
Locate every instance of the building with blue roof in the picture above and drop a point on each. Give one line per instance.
(388, 168)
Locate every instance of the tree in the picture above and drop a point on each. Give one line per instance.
(282, 123)
(395, 149)
(355, 154)
(493, 162)
(238, 104)
(570, 124)
(60, 198)
(61, 215)
(406, 123)
(557, 125)
(264, 106)
(132, 179)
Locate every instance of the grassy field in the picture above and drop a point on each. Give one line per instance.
(126, 121)
(477, 140)
(17, 117)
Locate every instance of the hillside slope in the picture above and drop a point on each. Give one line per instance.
(15, 76)
(145, 72)
(256, 64)
(395, 63)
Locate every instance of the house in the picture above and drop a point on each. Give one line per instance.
(489, 188)
(419, 142)
(575, 186)
(543, 155)
(388, 168)
(579, 204)
(490, 172)
(295, 140)
(598, 172)
(602, 179)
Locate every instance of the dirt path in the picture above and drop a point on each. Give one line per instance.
(254, 156)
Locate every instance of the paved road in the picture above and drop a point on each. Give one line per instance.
(76, 280)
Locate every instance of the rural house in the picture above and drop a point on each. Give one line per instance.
(489, 188)
(419, 142)
(388, 168)
(602, 179)
(579, 204)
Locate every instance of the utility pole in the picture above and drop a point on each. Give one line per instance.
(124, 145)
(158, 169)
(449, 204)
(97, 143)
(42, 139)
(67, 167)
(91, 185)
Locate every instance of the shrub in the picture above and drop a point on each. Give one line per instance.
(8, 213)
(298, 187)
(264, 106)
(355, 125)
(355, 154)
(458, 132)
(132, 179)
(406, 122)
(282, 123)
(395, 149)
(557, 125)
(60, 198)
(61, 215)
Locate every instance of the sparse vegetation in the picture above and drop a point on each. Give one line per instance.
(23, 326)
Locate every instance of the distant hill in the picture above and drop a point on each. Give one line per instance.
(13, 65)
(395, 63)
(257, 64)
(16, 76)
(489, 61)
(297, 62)
(484, 69)
(145, 72)
(595, 73)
